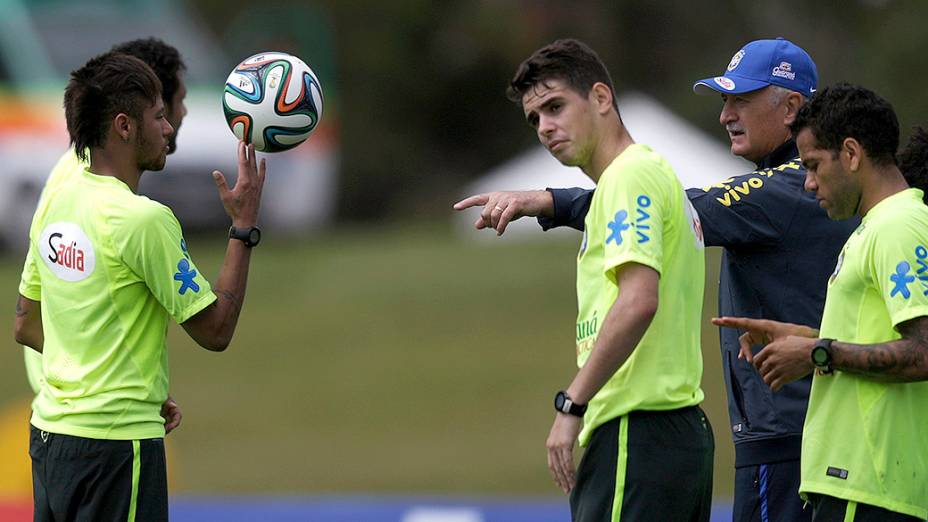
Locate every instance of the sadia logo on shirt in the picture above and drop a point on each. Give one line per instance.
(67, 251)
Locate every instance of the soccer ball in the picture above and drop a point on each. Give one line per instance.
(272, 100)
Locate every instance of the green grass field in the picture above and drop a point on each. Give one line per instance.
(385, 360)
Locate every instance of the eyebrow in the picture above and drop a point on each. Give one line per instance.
(544, 105)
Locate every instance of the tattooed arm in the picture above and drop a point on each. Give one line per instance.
(902, 360)
(28, 326)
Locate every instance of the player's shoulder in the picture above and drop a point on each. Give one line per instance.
(641, 166)
(137, 212)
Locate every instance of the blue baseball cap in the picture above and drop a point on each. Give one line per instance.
(762, 63)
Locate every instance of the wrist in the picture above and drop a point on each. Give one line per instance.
(244, 223)
(564, 404)
(546, 199)
(821, 356)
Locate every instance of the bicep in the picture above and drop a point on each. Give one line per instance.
(638, 283)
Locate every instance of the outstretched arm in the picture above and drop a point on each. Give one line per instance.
(552, 207)
(212, 327)
(502, 207)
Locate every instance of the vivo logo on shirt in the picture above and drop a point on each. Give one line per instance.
(67, 251)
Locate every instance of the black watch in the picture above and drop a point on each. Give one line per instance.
(250, 236)
(821, 355)
(564, 404)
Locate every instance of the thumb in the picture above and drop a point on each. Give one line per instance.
(220, 182)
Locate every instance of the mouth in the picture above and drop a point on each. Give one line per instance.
(553, 145)
(735, 133)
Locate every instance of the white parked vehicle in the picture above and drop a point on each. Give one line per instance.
(41, 42)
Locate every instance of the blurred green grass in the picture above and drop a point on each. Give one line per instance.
(389, 359)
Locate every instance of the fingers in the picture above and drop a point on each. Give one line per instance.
(220, 182)
(252, 159)
(262, 171)
(561, 467)
(746, 340)
(472, 201)
(504, 218)
(741, 323)
(561, 462)
(495, 214)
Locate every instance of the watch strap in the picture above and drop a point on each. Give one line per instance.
(251, 236)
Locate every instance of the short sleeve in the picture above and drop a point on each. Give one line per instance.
(633, 209)
(154, 248)
(899, 268)
(30, 285)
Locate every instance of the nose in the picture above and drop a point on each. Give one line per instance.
(810, 184)
(166, 128)
(728, 114)
(545, 126)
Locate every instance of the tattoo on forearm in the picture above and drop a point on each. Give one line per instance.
(234, 299)
(19, 308)
(901, 360)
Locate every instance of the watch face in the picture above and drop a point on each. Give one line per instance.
(559, 401)
(254, 236)
(819, 355)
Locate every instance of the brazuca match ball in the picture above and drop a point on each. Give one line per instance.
(272, 100)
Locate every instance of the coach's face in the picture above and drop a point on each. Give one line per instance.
(837, 188)
(756, 122)
(152, 140)
(563, 120)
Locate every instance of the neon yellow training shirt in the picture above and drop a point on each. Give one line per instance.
(112, 268)
(66, 166)
(640, 214)
(864, 440)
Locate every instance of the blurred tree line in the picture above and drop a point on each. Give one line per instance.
(418, 86)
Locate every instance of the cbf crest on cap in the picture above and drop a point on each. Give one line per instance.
(762, 63)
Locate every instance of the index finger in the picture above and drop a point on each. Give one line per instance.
(472, 201)
(742, 323)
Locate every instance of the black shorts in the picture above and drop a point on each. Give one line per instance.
(647, 466)
(831, 509)
(90, 480)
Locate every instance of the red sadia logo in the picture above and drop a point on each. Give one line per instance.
(67, 251)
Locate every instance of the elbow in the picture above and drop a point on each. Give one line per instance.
(20, 332)
(218, 341)
(646, 308)
(20, 337)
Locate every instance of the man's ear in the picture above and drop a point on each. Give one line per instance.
(123, 124)
(793, 103)
(602, 95)
(852, 153)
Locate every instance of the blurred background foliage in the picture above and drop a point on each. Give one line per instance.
(421, 83)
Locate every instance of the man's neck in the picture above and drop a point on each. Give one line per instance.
(606, 152)
(107, 161)
(878, 184)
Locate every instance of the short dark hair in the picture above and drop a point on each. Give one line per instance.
(164, 59)
(107, 85)
(849, 111)
(913, 161)
(567, 59)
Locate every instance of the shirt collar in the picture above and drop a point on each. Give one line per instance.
(786, 152)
